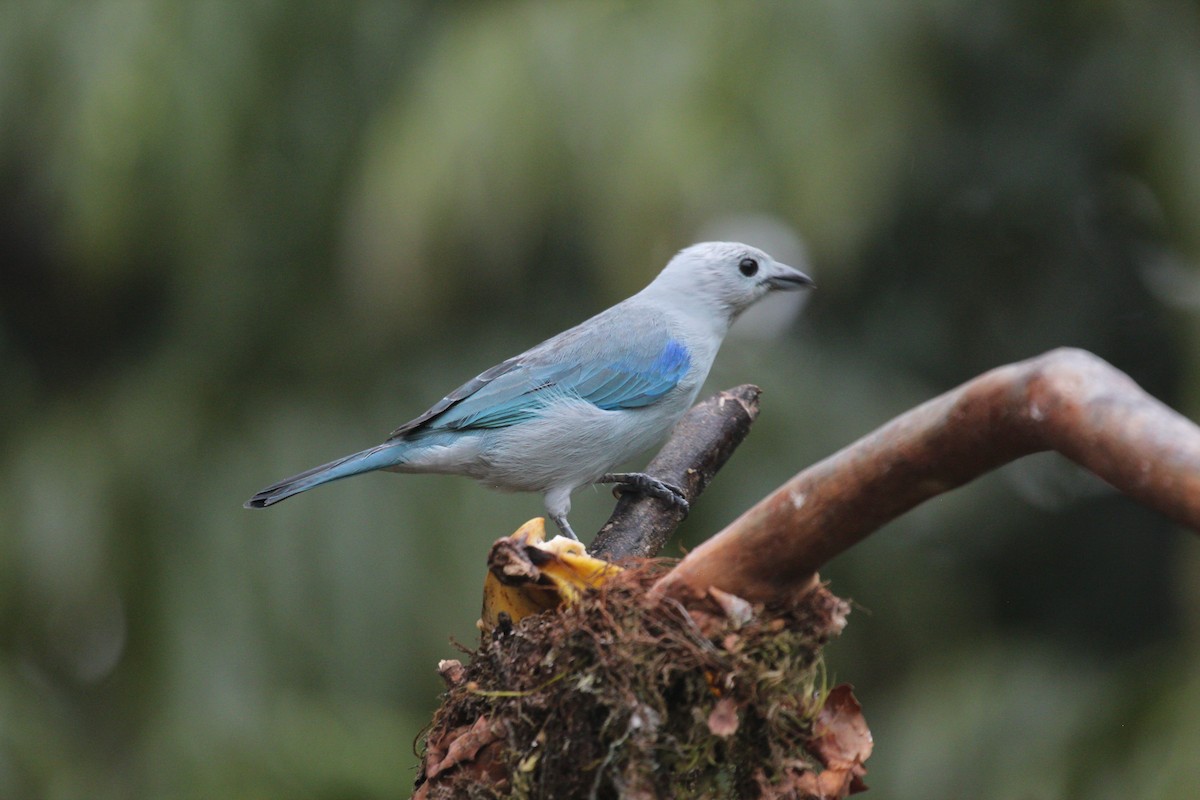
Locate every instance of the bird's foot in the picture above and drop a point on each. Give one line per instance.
(642, 483)
(561, 521)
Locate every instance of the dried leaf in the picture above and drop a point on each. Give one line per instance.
(801, 783)
(842, 737)
(842, 741)
(798, 783)
(463, 745)
(723, 721)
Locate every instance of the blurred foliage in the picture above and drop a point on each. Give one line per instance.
(239, 239)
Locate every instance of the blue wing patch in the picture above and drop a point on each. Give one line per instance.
(633, 384)
(515, 391)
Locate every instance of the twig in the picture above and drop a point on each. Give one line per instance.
(699, 446)
(1065, 400)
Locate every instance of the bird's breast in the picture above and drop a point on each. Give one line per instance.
(572, 442)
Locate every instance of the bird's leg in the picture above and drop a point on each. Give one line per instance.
(647, 485)
(558, 505)
(561, 521)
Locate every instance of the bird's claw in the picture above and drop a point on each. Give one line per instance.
(640, 482)
(561, 521)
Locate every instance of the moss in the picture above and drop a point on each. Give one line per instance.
(618, 696)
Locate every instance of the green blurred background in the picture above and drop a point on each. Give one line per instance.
(238, 239)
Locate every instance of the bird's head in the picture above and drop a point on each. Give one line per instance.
(727, 276)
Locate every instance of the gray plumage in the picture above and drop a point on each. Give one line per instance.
(562, 414)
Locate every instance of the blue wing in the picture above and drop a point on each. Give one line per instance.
(521, 387)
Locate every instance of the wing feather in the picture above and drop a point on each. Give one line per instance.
(518, 389)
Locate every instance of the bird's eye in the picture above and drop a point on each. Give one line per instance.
(748, 267)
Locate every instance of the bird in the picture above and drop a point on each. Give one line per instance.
(563, 414)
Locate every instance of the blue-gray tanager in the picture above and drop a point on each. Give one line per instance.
(561, 415)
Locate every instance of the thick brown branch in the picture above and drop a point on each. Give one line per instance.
(1066, 400)
(699, 446)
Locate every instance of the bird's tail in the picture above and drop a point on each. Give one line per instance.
(379, 457)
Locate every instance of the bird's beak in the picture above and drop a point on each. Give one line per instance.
(787, 278)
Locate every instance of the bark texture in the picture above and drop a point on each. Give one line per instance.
(1066, 400)
(699, 446)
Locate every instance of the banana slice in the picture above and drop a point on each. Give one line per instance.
(528, 575)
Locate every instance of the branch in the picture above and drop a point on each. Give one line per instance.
(700, 445)
(1066, 400)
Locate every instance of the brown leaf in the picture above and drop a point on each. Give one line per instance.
(842, 741)
(463, 745)
(841, 735)
(798, 783)
(723, 721)
(801, 783)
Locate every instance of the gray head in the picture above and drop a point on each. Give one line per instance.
(727, 277)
